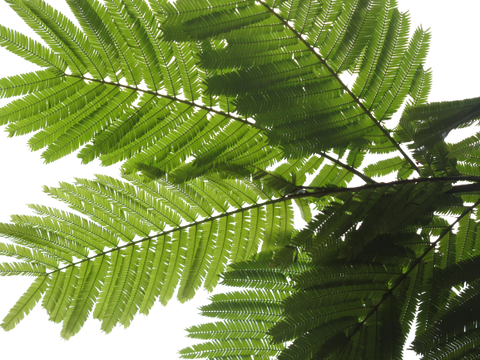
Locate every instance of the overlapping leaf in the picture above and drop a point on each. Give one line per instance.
(283, 61)
(358, 299)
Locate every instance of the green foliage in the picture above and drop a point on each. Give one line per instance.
(226, 116)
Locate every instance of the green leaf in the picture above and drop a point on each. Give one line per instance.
(222, 115)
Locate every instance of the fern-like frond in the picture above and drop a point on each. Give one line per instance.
(289, 80)
(360, 307)
(118, 41)
(142, 241)
(234, 111)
